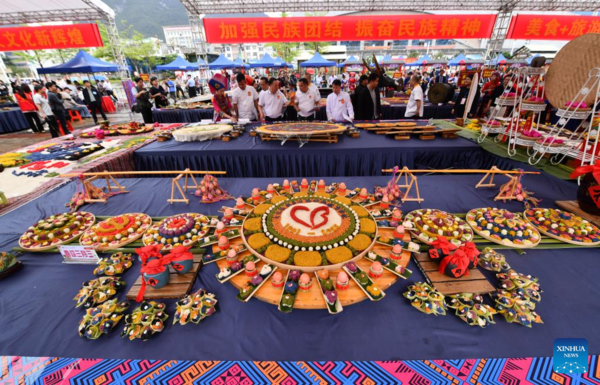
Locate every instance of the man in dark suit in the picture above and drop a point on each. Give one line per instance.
(362, 83)
(441, 77)
(369, 101)
(56, 104)
(93, 99)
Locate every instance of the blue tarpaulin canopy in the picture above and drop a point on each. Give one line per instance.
(281, 63)
(457, 60)
(83, 62)
(500, 59)
(221, 63)
(240, 64)
(420, 61)
(179, 64)
(267, 62)
(318, 61)
(387, 60)
(201, 64)
(352, 61)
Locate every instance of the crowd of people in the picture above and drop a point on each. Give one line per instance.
(50, 103)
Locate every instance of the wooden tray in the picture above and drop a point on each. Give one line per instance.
(178, 287)
(120, 244)
(573, 207)
(475, 282)
(313, 299)
(308, 129)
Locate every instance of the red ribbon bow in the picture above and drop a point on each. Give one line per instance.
(443, 243)
(154, 266)
(583, 170)
(472, 253)
(179, 253)
(456, 265)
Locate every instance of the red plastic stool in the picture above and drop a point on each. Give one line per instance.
(75, 116)
(60, 127)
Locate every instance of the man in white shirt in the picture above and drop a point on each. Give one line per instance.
(305, 101)
(339, 105)
(312, 87)
(191, 86)
(332, 77)
(245, 99)
(414, 107)
(272, 102)
(44, 110)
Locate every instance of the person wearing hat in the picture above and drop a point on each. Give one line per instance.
(220, 100)
(463, 95)
(271, 103)
(245, 99)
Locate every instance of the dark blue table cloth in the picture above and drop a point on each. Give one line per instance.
(248, 156)
(430, 111)
(12, 120)
(38, 317)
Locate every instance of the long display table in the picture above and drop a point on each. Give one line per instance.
(396, 111)
(248, 156)
(39, 317)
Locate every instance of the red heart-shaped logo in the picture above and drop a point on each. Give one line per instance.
(313, 226)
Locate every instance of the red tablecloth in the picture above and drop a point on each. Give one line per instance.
(108, 105)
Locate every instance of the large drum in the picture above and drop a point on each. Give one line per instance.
(440, 93)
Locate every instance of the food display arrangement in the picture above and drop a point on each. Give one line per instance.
(403, 129)
(56, 230)
(319, 246)
(201, 132)
(131, 128)
(178, 230)
(117, 231)
(188, 106)
(301, 131)
(564, 226)
(428, 224)
(503, 227)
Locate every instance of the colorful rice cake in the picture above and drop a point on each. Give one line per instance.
(56, 230)
(503, 227)
(564, 226)
(117, 231)
(177, 230)
(428, 224)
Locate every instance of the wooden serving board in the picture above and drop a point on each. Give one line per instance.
(475, 282)
(313, 299)
(178, 287)
(573, 207)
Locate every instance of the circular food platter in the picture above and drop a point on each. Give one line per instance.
(199, 133)
(116, 232)
(301, 129)
(177, 230)
(503, 227)
(365, 125)
(406, 124)
(386, 125)
(428, 224)
(309, 233)
(563, 226)
(56, 230)
(322, 211)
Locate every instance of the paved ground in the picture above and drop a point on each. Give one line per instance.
(11, 142)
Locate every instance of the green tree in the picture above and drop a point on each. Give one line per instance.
(413, 54)
(287, 51)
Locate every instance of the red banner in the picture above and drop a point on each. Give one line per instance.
(300, 29)
(552, 27)
(50, 37)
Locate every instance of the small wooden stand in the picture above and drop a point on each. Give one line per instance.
(475, 282)
(489, 174)
(88, 187)
(406, 173)
(175, 183)
(179, 284)
(510, 195)
(573, 207)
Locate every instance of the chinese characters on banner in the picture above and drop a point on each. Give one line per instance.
(487, 72)
(552, 27)
(50, 37)
(301, 29)
(463, 75)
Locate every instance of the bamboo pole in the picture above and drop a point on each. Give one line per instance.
(102, 173)
(466, 171)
